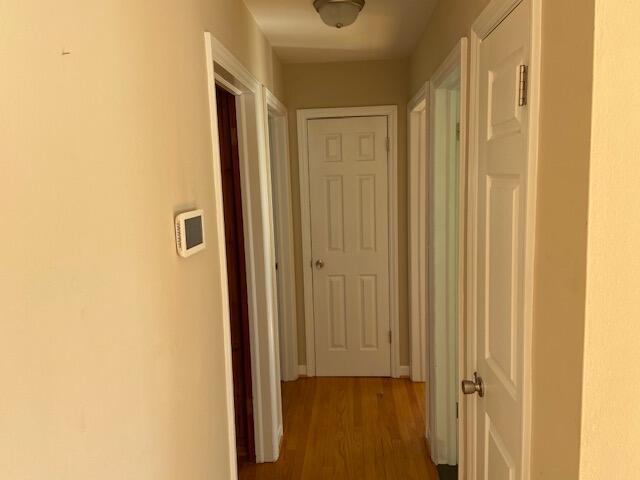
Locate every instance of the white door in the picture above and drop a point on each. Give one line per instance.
(501, 235)
(350, 245)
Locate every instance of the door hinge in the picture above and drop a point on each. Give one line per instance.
(457, 416)
(390, 337)
(388, 144)
(458, 131)
(524, 84)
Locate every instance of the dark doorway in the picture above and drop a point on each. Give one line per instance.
(236, 271)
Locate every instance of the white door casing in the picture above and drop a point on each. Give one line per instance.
(278, 134)
(447, 181)
(418, 162)
(350, 246)
(501, 248)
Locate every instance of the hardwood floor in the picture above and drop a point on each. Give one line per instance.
(350, 428)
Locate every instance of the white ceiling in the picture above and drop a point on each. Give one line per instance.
(385, 29)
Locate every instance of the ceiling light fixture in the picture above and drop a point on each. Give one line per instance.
(338, 13)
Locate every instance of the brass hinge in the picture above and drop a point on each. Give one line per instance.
(522, 98)
(388, 144)
(458, 131)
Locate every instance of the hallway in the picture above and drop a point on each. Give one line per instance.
(350, 428)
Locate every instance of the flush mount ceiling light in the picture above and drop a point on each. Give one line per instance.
(338, 13)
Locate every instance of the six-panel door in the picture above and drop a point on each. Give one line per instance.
(350, 245)
(503, 164)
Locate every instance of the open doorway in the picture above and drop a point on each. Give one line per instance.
(236, 276)
(278, 137)
(224, 70)
(437, 193)
(446, 200)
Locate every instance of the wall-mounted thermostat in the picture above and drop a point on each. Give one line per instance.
(190, 233)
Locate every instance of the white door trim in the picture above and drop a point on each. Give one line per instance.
(417, 133)
(456, 62)
(256, 205)
(391, 112)
(286, 266)
(488, 20)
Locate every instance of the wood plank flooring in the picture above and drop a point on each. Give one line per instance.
(350, 428)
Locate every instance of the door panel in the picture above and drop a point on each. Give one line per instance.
(502, 176)
(349, 232)
(337, 312)
(335, 213)
(368, 312)
(366, 213)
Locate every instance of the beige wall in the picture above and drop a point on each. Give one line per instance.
(350, 84)
(610, 408)
(111, 346)
(451, 20)
(561, 236)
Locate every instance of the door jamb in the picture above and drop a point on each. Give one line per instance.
(303, 116)
(259, 249)
(286, 266)
(488, 20)
(418, 157)
(457, 60)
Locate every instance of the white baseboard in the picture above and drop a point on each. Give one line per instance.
(280, 438)
(405, 371)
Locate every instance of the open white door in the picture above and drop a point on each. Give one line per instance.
(501, 201)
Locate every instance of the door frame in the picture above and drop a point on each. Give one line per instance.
(245, 334)
(303, 117)
(456, 62)
(288, 321)
(489, 19)
(228, 72)
(418, 119)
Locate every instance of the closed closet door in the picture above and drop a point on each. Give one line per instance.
(350, 245)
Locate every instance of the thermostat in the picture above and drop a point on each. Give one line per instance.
(190, 233)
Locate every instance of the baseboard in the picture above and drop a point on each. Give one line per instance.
(280, 439)
(404, 371)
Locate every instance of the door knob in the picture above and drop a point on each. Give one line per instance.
(319, 264)
(469, 387)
